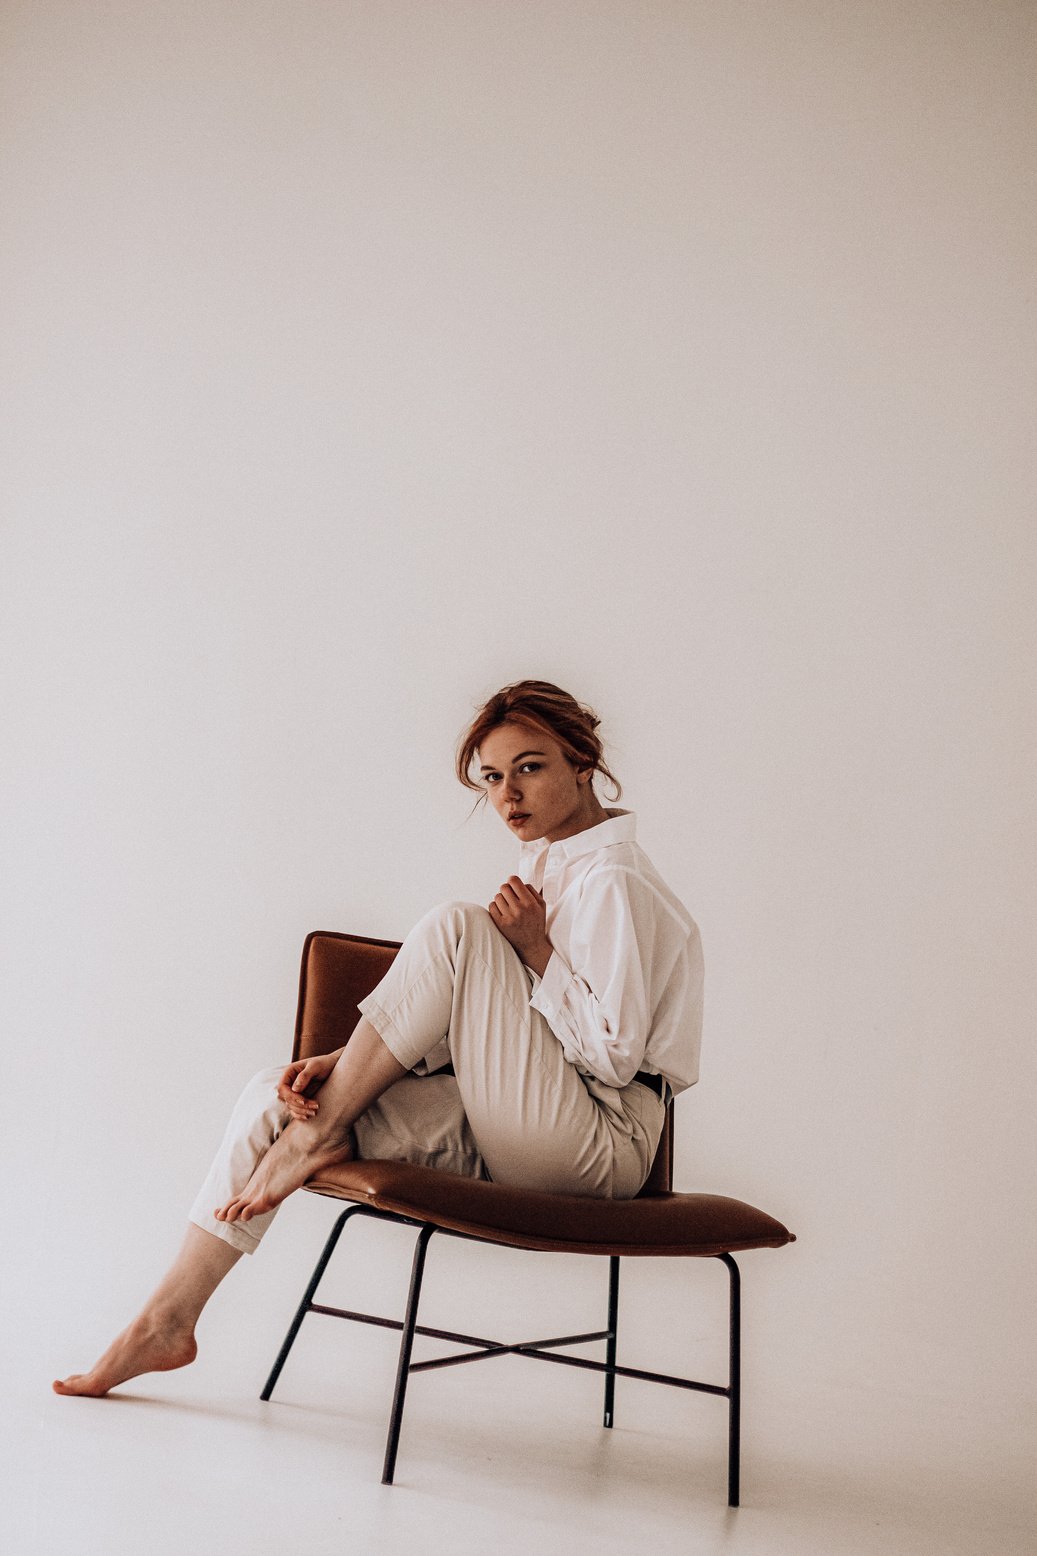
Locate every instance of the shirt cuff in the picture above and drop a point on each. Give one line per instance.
(549, 994)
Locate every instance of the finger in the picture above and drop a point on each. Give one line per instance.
(531, 895)
(307, 1073)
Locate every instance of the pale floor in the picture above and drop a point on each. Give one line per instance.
(504, 1456)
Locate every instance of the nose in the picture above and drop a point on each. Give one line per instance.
(512, 791)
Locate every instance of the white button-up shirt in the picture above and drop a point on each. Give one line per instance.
(623, 989)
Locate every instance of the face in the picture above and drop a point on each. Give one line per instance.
(534, 787)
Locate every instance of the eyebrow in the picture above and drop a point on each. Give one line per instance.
(514, 759)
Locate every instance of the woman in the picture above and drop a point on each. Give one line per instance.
(535, 1042)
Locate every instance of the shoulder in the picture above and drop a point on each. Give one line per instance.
(624, 873)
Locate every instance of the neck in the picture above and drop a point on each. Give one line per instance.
(591, 814)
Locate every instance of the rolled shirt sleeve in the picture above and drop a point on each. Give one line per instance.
(601, 1014)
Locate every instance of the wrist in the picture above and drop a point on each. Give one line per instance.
(538, 958)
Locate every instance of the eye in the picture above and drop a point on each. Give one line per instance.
(530, 767)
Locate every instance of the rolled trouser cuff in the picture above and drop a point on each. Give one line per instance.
(257, 1119)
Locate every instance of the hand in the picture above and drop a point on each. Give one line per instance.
(297, 1079)
(520, 913)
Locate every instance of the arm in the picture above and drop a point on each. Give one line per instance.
(600, 1008)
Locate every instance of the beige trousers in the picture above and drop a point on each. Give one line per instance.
(514, 1109)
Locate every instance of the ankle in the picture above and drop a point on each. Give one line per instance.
(339, 1138)
(318, 1135)
(163, 1316)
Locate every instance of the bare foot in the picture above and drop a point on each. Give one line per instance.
(297, 1153)
(150, 1344)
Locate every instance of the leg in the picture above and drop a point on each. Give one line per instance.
(308, 1296)
(538, 1124)
(456, 982)
(406, 1346)
(734, 1382)
(256, 1122)
(420, 1119)
(421, 988)
(610, 1345)
(365, 1069)
(161, 1337)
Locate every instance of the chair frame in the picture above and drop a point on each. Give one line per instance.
(542, 1350)
(324, 1029)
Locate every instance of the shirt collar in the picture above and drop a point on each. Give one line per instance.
(620, 827)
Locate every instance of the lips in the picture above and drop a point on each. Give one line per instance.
(516, 817)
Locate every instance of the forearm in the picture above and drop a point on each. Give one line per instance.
(607, 1040)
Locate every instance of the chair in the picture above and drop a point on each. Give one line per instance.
(338, 971)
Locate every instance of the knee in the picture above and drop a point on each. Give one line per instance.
(469, 913)
(460, 917)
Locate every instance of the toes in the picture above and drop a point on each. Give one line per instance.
(239, 1210)
(243, 1209)
(72, 1384)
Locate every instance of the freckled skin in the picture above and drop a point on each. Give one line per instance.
(559, 799)
(526, 773)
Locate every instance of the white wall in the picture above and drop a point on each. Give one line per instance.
(362, 357)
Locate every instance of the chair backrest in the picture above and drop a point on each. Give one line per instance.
(338, 971)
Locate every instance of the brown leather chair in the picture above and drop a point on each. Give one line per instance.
(337, 972)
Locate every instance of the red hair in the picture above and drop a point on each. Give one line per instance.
(548, 710)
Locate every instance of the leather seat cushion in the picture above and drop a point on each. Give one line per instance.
(672, 1225)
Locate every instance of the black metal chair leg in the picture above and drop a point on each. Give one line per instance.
(734, 1383)
(304, 1305)
(406, 1346)
(610, 1346)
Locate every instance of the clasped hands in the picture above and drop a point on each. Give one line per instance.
(520, 913)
